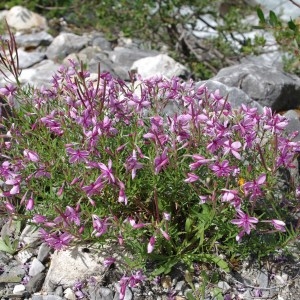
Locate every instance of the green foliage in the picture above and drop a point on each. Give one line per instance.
(165, 22)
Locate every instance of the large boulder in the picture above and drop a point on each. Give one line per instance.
(123, 58)
(91, 57)
(28, 59)
(33, 40)
(65, 44)
(268, 86)
(236, 97)
(23, 19)
(161, 64)
(71, 265)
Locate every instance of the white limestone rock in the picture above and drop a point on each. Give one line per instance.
(22, 19)
(161, 64)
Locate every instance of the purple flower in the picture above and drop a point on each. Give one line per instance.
(278, 225)
(244, 221)
(109, 261)
(95, 187)
(221, 169)
(276, 123)
(107, 171)
(191, 178)
(161, 161)
(122, 197)
(56, 240)
(167, 216)
(136, 278)
(150, 246)
(39, 219)
(30, 204)
(99, 225)
(232, 197)
(72, 215)
(31, 155)
(132, 164)
(232, 147)
(199, 161)
(253, 189)
(77, 155)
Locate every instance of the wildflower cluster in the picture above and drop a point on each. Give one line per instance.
(162, 167)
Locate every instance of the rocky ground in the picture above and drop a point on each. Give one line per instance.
(36, 272)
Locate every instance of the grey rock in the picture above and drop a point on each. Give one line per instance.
(224, 286)
(179, 285)
(59, 291)
(126, 57)
(268, 86)
(44, 252)
(10, 229)
(28, 59)
(236, 97)
(71, 265)
(294, 123)
(65, 44)
(30, 236)
(101, 293)
(35, 283)
(91, 57)
(12, 273)
(36, 267)
(102, 43)
(46, 297)
(24, 255)
(34, 40)
(161, 64)
(273, 60)
(40, 75)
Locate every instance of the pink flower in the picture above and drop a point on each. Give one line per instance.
(132, 164)
(161, 161)
(31, 155)
(151, 243)
(122, 196)
(30, 204)
(109, 261)
(278, 225)
(253, 189)
(191, 178)
(232, 147)
(244, 221)
(77, 155)
(167, 216)
(99, 225)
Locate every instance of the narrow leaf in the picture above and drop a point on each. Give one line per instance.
(273, 18)
(261, 15)
(292, 25)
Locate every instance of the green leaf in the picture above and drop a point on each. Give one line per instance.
(273, 18)
(261, 15)
(165, 268)
(217, 294)
(210, 258)
(189, 295)
(5, 245)
(292, 25)
(188, 225)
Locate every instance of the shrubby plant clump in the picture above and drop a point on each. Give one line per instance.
(163, 168)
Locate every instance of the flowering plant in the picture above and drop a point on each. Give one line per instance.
(164, 168)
